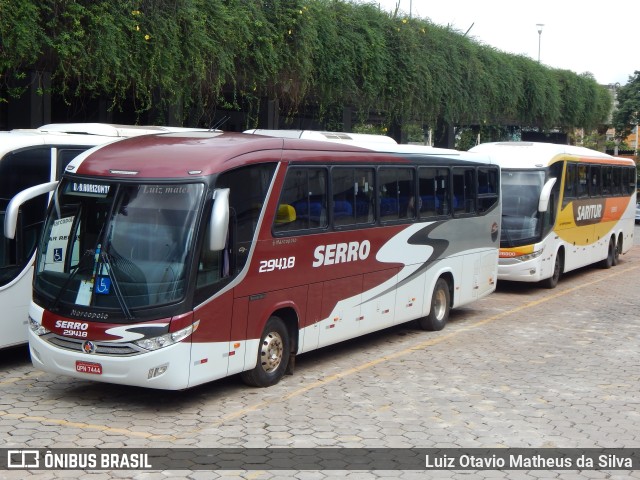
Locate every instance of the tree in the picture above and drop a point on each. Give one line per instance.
(627, 114)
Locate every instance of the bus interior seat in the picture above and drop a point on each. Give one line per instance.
(342, 209)
(388, 207)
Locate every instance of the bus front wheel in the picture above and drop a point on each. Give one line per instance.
(273, 355)
(552, 281)
(440, 307)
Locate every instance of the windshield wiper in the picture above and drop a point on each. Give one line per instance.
(106, 260)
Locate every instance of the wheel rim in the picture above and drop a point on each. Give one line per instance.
(271, 352)
(440, 304)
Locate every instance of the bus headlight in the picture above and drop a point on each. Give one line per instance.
(530, 256)
(162, 341)
(37, 328)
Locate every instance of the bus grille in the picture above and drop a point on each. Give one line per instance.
(75, 345)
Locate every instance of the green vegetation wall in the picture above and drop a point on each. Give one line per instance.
(307, 54)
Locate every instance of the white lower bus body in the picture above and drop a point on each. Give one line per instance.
(188, 364)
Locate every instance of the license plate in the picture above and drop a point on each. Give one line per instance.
(88, 367)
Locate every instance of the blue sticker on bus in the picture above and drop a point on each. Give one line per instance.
(103, 285)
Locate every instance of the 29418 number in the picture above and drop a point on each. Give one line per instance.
(276, 264)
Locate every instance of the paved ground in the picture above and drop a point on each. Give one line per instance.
(525, 367)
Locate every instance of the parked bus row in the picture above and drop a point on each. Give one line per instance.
(174, 259)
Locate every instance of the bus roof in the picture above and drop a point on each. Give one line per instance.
(80, 134)
(346, 137)
(539, 154)
(189, 153)
(18, 139)
(378, 143)
(111, 130)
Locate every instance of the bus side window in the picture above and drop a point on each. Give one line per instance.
(211, 265)
(434, 191)
(464, 194)
(569, 184)
(304, 191)
(583, 181)
(248, 189)
(19, 170)
(617, 180)
(625, 180)
(353, 194)
(595, 178)
(487, 188)
(630, 180)
(397, 193)
(607, 180)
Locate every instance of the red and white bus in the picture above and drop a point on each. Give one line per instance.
(565, 207)
(176, 259)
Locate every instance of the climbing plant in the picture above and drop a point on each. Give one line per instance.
(310, 55)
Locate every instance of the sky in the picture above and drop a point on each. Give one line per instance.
(601, 38)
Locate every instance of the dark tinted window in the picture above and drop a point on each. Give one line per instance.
(464, 191)
(396, 193)
(488, 188)
(353, 196)
(303, 202)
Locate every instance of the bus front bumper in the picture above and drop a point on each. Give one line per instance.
(166, 368)
(514, 270)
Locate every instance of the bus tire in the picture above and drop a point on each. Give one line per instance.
(618, 251)
(440, 307)
(611, 253)
(558, 265)
(273, 355)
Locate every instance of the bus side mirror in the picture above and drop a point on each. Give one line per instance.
(11, 215)
(219, 225)
(545, 195)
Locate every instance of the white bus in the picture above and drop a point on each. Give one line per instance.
(29, 157)
(564, 207)
(171, 260)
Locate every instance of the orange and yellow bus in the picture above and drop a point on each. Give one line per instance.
(564, 207)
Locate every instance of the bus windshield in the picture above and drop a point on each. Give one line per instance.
(521, 221)
(117, 246)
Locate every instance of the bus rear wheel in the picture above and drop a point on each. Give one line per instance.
(273, 355)
(440, 307)
(618, 251)
(611, 253)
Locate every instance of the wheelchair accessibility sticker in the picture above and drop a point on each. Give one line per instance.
(57, 254)
(103, 285)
